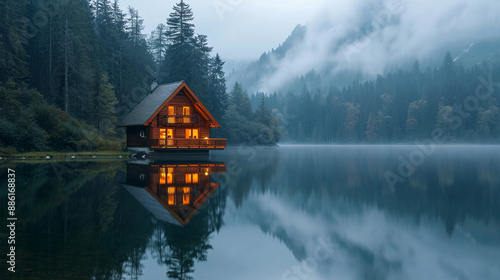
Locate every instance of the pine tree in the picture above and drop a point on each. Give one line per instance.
(180, 34)
(13, 41)
(271, 134)
(104, 113)
(118, 16)
(63, 57)
(217, 88)
(352, 121)
(158, 43)
(241, 102)
(199, 75)
(372, 127)
(135, 25)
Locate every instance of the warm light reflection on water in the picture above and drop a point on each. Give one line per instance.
(258, 213)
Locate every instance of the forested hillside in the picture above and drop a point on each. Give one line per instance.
(70, 71)
(403, 106)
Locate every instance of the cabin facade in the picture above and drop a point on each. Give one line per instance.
(171, 118)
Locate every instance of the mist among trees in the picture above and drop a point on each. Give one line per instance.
(70, 71)
(401, 106)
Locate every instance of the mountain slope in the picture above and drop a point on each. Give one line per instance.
(373, 39)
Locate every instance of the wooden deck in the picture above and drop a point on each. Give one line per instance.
(188, 144)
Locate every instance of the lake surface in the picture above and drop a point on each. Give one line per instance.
(294, 212)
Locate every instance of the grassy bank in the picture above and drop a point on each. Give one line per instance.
(51, 155)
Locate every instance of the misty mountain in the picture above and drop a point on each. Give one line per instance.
(379, 36)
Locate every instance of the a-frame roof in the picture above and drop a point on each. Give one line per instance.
(154, 102)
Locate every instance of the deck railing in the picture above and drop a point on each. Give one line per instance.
(188, 143)
(178, 119)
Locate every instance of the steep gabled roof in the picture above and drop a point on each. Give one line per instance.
(154, 102)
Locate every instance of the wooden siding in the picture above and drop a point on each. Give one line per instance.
(134, 138)
(138, 175)
(179, 102)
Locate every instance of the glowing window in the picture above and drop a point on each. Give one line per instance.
(186, 195)
(186, 111)
(170, 176)
(171, 114)
(171, 195)
(192, 133)
(192, 178)
(170, 133)
(163, 176)
(163, 136)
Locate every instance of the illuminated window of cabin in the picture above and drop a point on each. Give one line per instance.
(171, 114)
(186, 111)
(163, 176)
(192, 178)
(163, 136)
(170, 176)
(192, 133)
(171, 195)
(186, 196)
(170, 133)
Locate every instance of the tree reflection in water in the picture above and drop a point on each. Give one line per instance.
(86, 226)
(186, 206)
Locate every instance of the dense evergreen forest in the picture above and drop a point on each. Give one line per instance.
(70, 71)
(459, 104)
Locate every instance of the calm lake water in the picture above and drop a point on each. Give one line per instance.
(294, 212)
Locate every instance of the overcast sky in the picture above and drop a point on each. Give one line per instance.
(237, 29)
(402, 30)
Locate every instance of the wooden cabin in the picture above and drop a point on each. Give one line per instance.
(172, 192)
(171, 118)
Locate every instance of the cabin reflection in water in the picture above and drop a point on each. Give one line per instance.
(172, 192)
